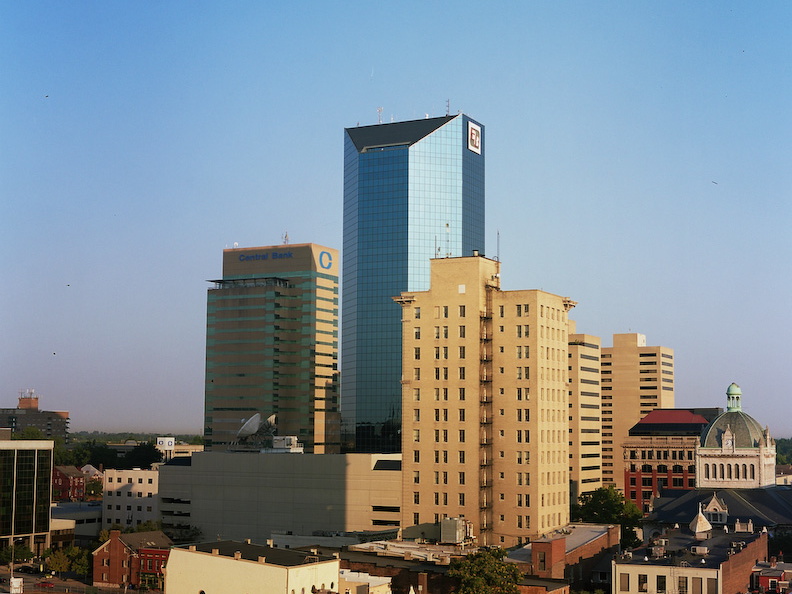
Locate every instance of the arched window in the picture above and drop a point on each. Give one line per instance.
(706, 471)
(737, 471)
(745, 471)
(677, 469)
(728, 471)
(692, 469)
(722, 475)
(662, 468)
(646, 468)
(714, 471)
(753, 472)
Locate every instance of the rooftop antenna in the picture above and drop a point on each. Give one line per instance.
(379, 115)
(448, 106)
(285, 238)
(448, 240)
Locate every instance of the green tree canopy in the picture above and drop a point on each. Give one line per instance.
(485, 572)
(607, 506)
(142, 455)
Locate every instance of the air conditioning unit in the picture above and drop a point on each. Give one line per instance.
(699, 550)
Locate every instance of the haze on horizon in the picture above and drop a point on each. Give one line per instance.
(637, 161)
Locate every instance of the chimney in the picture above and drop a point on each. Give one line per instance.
(192, 548)
(262, 559)
(270, 543)
(237, 555)
(215, 551)
(247, 541)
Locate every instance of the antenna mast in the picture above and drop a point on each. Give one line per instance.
(379, 115)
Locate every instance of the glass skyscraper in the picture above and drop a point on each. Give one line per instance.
(413, 191)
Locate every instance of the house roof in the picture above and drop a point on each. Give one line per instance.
(154, 539)
(670, 421)
(71, 471)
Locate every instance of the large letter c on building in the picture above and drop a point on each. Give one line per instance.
(325, 260)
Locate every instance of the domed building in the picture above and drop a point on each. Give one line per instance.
(734, 451)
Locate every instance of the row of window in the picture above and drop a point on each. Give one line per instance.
(129, 480)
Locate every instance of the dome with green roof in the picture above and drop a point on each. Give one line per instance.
(746, 431)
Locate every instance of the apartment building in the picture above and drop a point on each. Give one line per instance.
(485, 404)
(585, 422)
(636, 379)
(130, 497)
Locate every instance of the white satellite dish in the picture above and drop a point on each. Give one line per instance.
(250, 427)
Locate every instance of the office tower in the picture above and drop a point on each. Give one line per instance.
(272, 344)
(636, 379)
(585, 422)
(485, 405)
(412, 191)
(25, 491)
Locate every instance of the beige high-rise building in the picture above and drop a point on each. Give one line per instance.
(585, 422)
(636, 379)
(485, 404)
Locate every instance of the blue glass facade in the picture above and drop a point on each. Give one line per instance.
(412, 191)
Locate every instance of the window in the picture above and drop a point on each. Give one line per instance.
(416, 456)
(416, 498)
(416, 435)
(462, 414)
(461, 436)
(462, 352)
(642, 581)
(461, 499)
(461, 332)
(661, 584)
(461, 311)
(417, 313)
(461, 373)
(417, 353)
(417, 333)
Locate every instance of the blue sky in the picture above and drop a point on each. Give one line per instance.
(638, 161)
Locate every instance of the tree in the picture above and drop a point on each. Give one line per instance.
(59, 561)
(20, 554)
(93, 487)
(80, 560)
(485, 572)
(142, 455)
(29, 433)
(607, 506)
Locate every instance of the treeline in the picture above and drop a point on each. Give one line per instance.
(103, 436)
(784, 451)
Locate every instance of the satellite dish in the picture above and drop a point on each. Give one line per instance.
(250, 427)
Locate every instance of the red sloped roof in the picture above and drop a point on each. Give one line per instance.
(672, 415)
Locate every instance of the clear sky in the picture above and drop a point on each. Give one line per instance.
(638, 161)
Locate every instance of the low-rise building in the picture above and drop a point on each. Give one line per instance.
(251, 495)
(660, 452)
(86, 518)
(68, 484)
(232, 566)
(771, 576)
(695, 559)
(131, 560)
(130, 498)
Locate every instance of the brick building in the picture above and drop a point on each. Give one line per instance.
(68, 484)
(695, 559)
(660, 452)
(132, 559)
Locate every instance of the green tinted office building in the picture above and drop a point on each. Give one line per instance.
(412, 191)
(272, 345)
